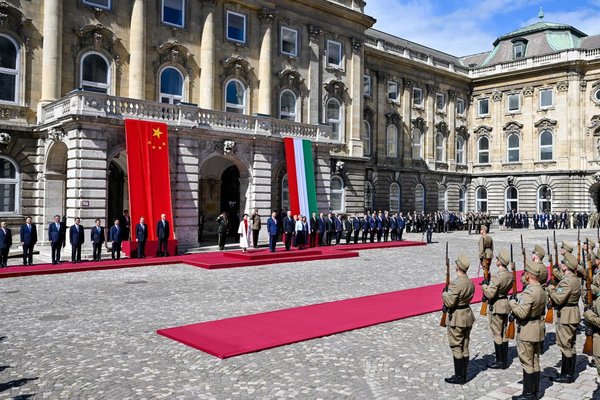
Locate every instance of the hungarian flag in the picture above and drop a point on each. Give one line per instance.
(148, 173)
(301, 176)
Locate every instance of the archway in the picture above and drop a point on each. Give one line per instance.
(117, 188)
(55, 183)
(230, 197)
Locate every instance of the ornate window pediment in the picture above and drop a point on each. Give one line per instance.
(12, 19)
(483, 130)
(291, 78)
(99, 38)
(335, 88)
(239, 67)
(594, 126)
(512, 127)
(173, 52)
(442, 127)
(393, 118)
(420, 124)
(545, 124)
(463, 131)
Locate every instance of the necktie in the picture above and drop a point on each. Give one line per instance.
(29, 227)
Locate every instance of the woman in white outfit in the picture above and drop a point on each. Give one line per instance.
(244, 232)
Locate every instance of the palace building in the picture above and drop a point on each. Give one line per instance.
(394, 124)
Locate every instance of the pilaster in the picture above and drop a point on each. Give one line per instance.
(207, 57)
(137, 41)
(52, 51)
(314, 75)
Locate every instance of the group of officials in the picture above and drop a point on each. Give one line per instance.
(527, 309)
(57, 236)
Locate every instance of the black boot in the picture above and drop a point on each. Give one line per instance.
(505, 354)
(465, 369)
(500, 357)
(573, 366)
(528, 388)
(457, 378)
(566, 371)
(537, 377)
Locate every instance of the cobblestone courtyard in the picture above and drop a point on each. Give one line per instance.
(91, 335)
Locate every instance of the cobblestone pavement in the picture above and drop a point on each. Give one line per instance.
(91, 335)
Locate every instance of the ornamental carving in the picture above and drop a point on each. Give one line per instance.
(562, 86)
(55, 134)
(483, 130)
(173, 52)
(544, 124)
(381, 76)
(392, 118)
(512, 127)
(291, 78)
(442, 127)
(339, 167)
(451, 94)
(239, 67)
(407, 83)
(267, 15)
(357, 45)
(497, 96)
(12, 19)
(419, 123)
(314, 32)
(225, 146)
(335, 88)
(594, 126)
(5, 138)
(463, 131)
(597, 177)
(431, 89)
(583, 86)
(528, 91)
(99, 38)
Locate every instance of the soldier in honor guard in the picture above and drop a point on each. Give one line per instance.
(565, 297)
(457, 299)
(529, 310)
(538, 256)
(592, 317)
(486, 247)
(496, 292)
(596, 277)
(565, 247)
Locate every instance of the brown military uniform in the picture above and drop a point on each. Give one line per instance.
(558, 274)
(486, 247)
(460, 316)
(496, 293)
(592, 316)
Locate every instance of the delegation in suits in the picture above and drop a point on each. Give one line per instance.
(77, 238)
(141, 236)
(28, 235)
(57, 231)
(115, 235)
(5, 243)
(97, 237)
(163, 231)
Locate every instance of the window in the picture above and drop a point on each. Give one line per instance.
(481, 199)
(103, 4)
(512, 154)
(511, 199)
(285, 193)
(440, 102)
(544, 199)
(236, 27)
(334, 118)
(171, 86)
(513, 102)
(483, 107)
(460, 150)
(417, 144)
(546, 146)
(460, 107)
(518, 50)
(442, 198)
(334, 54)
(393, 91)
(439, 147)
(95, 73)
(289, 41)
(173, 12)
(394, 198)
(546, 98)
(288, 106)
(417, 97)
(597, 95)
(392, 141)
(337, 194)
(366, 138)
(369, 196)
(367, 85)
(235, 97)
(462, 199)
(9, 186)
(483, 150)
(9, 69)
(419, 198)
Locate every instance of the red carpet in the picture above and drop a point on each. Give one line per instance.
(246, 334)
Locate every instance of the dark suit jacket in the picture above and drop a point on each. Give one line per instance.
(313, 225)
(76, 236)
(28, 237)
(5, 238)
(272, 226)
(115, 235)
(141, 232)
(321, 225)
(338, 224)
(95, 236)
(163, 232)
(57, 234)
(289, 225)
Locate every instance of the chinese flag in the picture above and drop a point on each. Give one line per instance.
(148, 173)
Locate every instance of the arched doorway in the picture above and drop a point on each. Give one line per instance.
(117, 185)
(55, 183)
(230, 197)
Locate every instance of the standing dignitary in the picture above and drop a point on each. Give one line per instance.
(28, 234)
(339, 227)
(56, 235)
(529, 310)
(243, 231)
(163, 230)
(272, 230)
(222, 227)
(77, 238)
(456, 299)
(565, 297)
(5, 243)
(97, 237)
(256, 225)
(115, 235)
(321, 229)
(356, 227)
(313, 230)
(125, 224)
(289, 226)
(141, 236)
(401, 224)
(496, 292)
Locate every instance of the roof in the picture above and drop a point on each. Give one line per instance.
(538, 27)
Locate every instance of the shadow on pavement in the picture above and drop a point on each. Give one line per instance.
(13, 384)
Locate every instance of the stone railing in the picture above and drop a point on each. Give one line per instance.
(82, 103)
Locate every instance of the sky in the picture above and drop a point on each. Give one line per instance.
(465, 27)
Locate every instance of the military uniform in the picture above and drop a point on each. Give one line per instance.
(558, 274)
(565, 297)
(457, 301)
(529, 312)
(541, 253)
(596, 277)
(582, 268)
(592, 316)
(497, 294)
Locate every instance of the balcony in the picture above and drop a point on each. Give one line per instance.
(90, 104)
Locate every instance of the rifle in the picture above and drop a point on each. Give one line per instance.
(510, 332)
(550, 312)
(486, 277)
(443, 320)
(589, 340)
(578, 246)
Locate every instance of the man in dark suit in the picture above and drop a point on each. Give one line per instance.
(329, 229)
(321, 229)
(348, 228)
(163, 231)
(56, 235)
(5, 243)
(339, 227)
(401, 223)
(115, 235)
(272, 230)
(289, 226)
(97, 237)
(141, 236)
(313, 230)
(379, 225)
(372, 227)
(365, 227)
(356, 227)
(28, 234)
(393, 226)
(125, 225)
(386, 226)
(76, 237)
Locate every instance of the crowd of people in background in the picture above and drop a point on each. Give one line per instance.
(549, 220)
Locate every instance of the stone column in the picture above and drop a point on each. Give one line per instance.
(379, 144)
(260, 193)
(137, 43)
(451, 140)
(355, 147)
(406, 126)
(265, 68)
(314, 75)
(429, 142)
(52, 51)
(207, 57)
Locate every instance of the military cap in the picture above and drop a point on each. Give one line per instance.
(533, 268)
(591, 242)
(567, 246)
(462, 262)
(503, 257)
(570, 261)
(539, 251)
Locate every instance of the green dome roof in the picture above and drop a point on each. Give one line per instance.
(541, 26)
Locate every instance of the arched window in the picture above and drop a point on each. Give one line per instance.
(366, 138)
(9, 69)
(9, 186)
(544, 199)
(546, 141)
(171, 86)
(392, 141)
(511, 199)
(369, 196)
(95, 73)
(460, 150)
(483, 150)
(443, 198)
(512, 152)
(235, 97)
(462, 199)
(439, 147)
(419, 198)
(334, 118)
(481, 199)
(337, 194)
(288, 106)
(394, 198)
(285, 193)
(417, 144)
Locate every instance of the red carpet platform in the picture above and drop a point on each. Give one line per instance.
(246, 334)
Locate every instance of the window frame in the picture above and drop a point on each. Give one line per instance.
(16, 72)
(460, 150)
(443, 97)
(171, 97)
(244, 31)
(480, 200)
(340, 122)
(367, 85)
(517, 45)
(508, 100)
(541, 147)
(511, 200)
(340, 191)
(91, 3)
(92, 84)
(480, 150)
(464, 109)
(418, 144)
(479, 103)
(235, 106)
(440, 148)
(370, 192)
(546, 90)
(420, 91)
(366, 137)
(285, 193)
(16, 181)
(394, 198)
(162, 15)
(296, 114)
(296, 42)
(462, 199)
(396, 92)
(509, 148)
(541, 201)
(393, 143)
(420, 200)
(340, 53)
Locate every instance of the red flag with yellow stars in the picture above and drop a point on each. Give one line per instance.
(148, 174)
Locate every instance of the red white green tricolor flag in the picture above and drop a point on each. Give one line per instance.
(301, 176)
